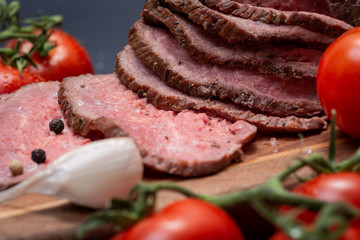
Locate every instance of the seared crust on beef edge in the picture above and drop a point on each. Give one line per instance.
(287, 61)
(348, 11)
(161, 52)
(137, 77)
(318, 6)
(187, 144)
(312, 21)
(236, 29)
(345, 10)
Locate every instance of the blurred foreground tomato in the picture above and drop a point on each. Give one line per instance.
(338, 81)
(11, 80)
(336, 187)
(189, 219)
(67, 59)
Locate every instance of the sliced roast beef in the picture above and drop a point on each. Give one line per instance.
(287, 61)
(236, 29)
(317, 6)
(312, 21)
(161, 52)
(25, 118)
(136, 76)
(347, 10)
(187, 143)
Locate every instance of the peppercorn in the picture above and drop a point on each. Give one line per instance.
(56, 125)
(16, 167)
(38, 156)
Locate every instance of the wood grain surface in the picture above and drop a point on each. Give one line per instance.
(43, 218)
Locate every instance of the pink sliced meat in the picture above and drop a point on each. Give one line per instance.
(25, 118)
(187, 143)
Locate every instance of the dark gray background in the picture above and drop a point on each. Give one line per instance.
(101, 26)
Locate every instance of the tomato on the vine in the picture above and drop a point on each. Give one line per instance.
(189, 219)
(338, 81)
(337, 187)
(11, 80)
(68, 58)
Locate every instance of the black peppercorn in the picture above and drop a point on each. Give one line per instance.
(56, 125)
(38, 156)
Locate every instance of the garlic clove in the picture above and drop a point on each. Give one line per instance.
(89, 175)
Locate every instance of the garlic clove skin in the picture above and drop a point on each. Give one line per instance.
(90, 175)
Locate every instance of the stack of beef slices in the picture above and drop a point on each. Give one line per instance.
(348, 11)
(197, 82)
(199, 55)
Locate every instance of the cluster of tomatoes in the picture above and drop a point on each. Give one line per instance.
(194, 219)
(67, 59)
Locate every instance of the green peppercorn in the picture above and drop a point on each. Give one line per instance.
(38, 156)
(56, 125)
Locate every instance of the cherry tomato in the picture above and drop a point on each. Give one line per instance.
(10, 78)
(67, 59)
(338, 81)
(331, 188)
(189, 219)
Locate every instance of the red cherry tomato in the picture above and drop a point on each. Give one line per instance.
(189, 219)
(338, 81)
(67, 59)
(331, 188)
(10, 78)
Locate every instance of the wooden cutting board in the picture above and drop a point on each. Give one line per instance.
(43, 218)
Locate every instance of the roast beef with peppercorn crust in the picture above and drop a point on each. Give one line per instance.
(159, 50)
(346, 10)
(317, 6)
(25, 118)
(236, 29)
(137, 77)
(288, 61)
(185, 143)
(312, 21)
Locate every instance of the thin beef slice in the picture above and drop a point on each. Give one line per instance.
(160, 51)
(288, 61)
(236, 29)
(347, 10)
(25, 118)
(312, 21)
(139, 78)
(317, 6)
(187, 143)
